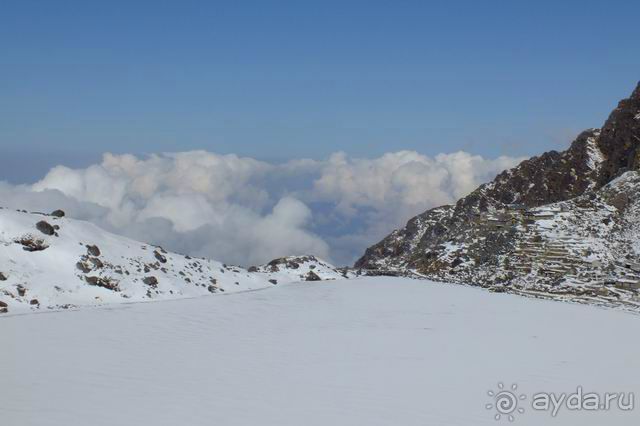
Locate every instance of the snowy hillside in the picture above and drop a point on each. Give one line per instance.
(53, 262)
(369, 351)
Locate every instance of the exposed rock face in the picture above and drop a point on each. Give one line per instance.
(471, 240)
(619, 140)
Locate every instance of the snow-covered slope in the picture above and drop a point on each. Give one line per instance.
(302, 268)
(369, 351)
(53, 262)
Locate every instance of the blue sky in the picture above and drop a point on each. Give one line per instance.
(277, 79)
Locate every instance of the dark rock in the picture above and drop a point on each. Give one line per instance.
(93, 250)
(107, 283)
(312, 276)
(212, 289)
(45, 228)
(151, 281)
(3, 304)
(57, 213)
(253, 269)
(97, 263)
(274, 282)
(83, 267)
(160, 257)
(32, 244)
(21, 290)
(3, 277)
(34, 302)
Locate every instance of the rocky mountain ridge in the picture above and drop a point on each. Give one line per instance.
(521, 231)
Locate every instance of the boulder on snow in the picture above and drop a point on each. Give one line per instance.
(151, 281)
(21, 290)
(57, 213)
(97, 263)
(30, 243)
(34, 302)
(3, 277)
(312, 276)
(107, 283)
(93, 250)
(82, 266)
(45, 228)
(161, 258)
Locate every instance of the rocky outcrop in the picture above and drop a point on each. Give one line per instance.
(477, 239)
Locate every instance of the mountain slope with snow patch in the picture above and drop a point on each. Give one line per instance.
(53, 262)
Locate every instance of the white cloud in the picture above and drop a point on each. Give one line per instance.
(245, 211)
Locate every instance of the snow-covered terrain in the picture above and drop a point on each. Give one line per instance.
(368, 351)
(53, 262)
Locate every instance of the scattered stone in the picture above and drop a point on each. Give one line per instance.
(151, 281)
(83, 267)
(3, 277)
(34, 302)
(57, 213)
(312, 276)
(160, 257)
(97, 263)
(21, 290)
(253, 269)
(32, 244)
(93, 250)
(45, 228)
(107, 283)
(3, 304)
(274, 282)
(212, 289)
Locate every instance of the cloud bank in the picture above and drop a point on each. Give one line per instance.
(244, 211)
